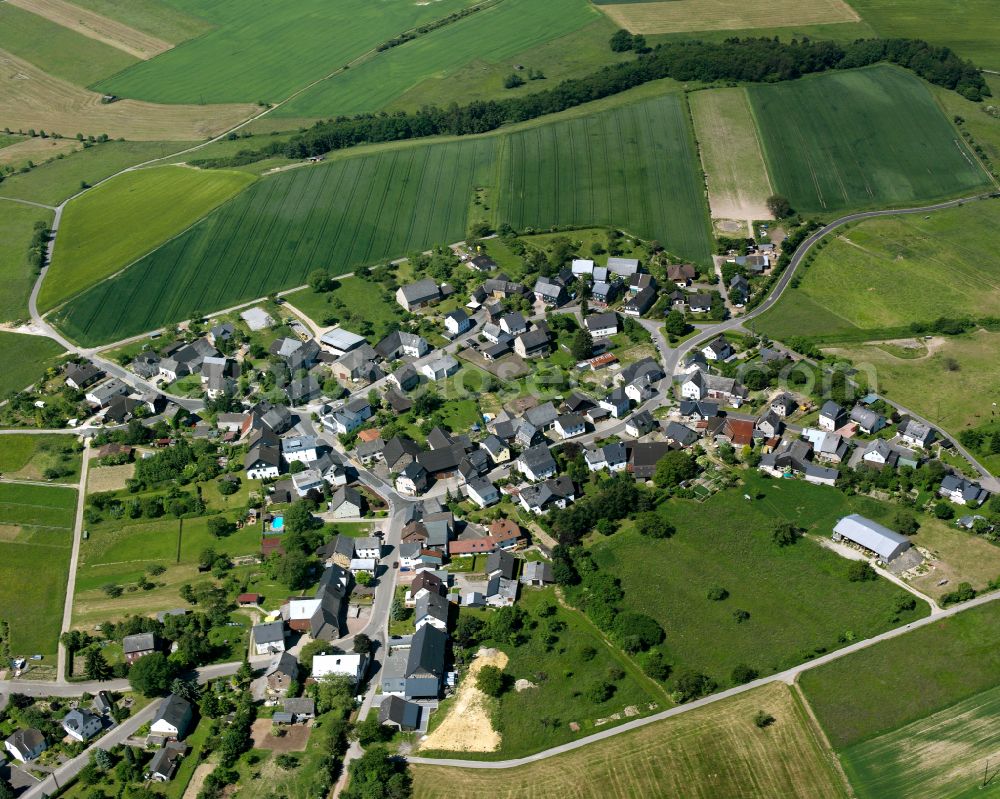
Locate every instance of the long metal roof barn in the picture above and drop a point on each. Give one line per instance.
(884, 542)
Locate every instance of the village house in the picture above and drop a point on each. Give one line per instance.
(346, 503)
(962, 491)
(418, 295)
(536, 463)
(25, 744)
(346, 665)
(80, 376)
(139, 645)
(280, 673)
(81, 725)
(916, 434)
(700, 385)
(532, 344)
(718, 350)
(440, 368)
(610, 457)
(640, 303)
(513, 324)
(399, 344)
(173, 717)
(457, 322)
(165, 762)
(268, 638)
(602, 325)
(569, 425)
(831, 416)
(867, 420)
(554, 492)
(482, 492)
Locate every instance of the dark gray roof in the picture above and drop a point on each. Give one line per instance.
(502, 562)
(175, 710)
(140, 642)
(399, 711)
(427, 653)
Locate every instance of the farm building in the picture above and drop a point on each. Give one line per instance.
(871, 536)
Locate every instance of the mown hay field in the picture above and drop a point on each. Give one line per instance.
(708, 752)
(944, 754)
(118, 222)
(262, 51)
(799, 598)
(634, 166)
(165, 21)
(33, 98)
(678, 16)
(333, 216)
(893, 683)
(36, 529)
(511, 27)
(888, 272)
(865, 138)
(738, 184)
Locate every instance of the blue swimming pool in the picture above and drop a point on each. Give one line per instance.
(278, 524)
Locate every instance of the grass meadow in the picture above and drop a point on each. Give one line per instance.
(511, 28)
(164, 20)
(953, 384)
(634, 166)
(799, 598)
(27, 456)
(36, 536)
(858, 139)
(738, 185)
(24, 359)
(258, 51)
(708, 752)
(17, 226)
(357, 295)
(944, 754)
(120, 221)
(882, 274)
(57, 50)
(893, 683)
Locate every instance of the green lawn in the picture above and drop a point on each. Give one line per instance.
(635, 166)
(53, 182)
(24, 359)
(108, 228)
(511, 27)
(26, 457)
(259, 51)
(899, 681)
(357, 297)
(57, 50)
(858, 139)
(799, 598)
(164, 20)
(17, 224)
(889, 272)
(36, 530)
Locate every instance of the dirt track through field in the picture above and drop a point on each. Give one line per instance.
(702, 15)
(31, 98)
(96, 26)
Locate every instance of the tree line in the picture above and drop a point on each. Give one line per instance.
(753, 60)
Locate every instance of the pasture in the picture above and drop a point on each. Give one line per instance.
(634, 166)
(116, 223)
(953, 386)
(711, 751)
(799, 598)
(511, 27)
(96, 26)
(30, 97)
(258, 51)
(36, 524)
(24, 359)
(35, 150)
(959, 556)
(165, 21)
(27, 456)
(738, 185)
(942, 754)
(57, 50)
(334, 216)
(17, 227)
(888, 272)
(681, 16)
(858, 139)
(896, 682)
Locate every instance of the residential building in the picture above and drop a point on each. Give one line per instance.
(346, 665)
(536, 463)
(139, 645)
(268, 638)
(173, 717)
(602, 325)
(617, 403)
(302, 449)
(397, 712)
(498, 451)
(440, 368)
(867, 420)
(641, 424)
(718, 350)
(402, 345)
(700, 303)
(784, 405)
(962, 491)
(25, 744)
(554, 492)
(80, 376)
(916, 434)
(569, 425)
(457, 322)
(165, 762)
(346, 503)
(432, 609)
(644, 456)
(532, 344)
(700, 385)
(623, 267)
(418, 295)
(831, 416)
(482, 492)
(612, 457)
(640, 303)
(102, 394)
(681, 275)
(425, 664)
(513, 324)
(549, 292)
(280, 673)
(412, 480)
(81, 725)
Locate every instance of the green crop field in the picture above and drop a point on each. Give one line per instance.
(865, 138)
(120, 221)
(944, 754)
(899, 681)
(511, 27)
(799, 598)
(889, 272)
(36, 525)
(58, 180)
(17, 226)
(334, 216)
(970, 27)
(714, 751)
(57, 50)
(263, 51)
(155, 17)
(24, 359)
(635, 166)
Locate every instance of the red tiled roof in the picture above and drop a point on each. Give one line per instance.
(472, 546)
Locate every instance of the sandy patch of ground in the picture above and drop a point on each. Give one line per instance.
(524, 685)
(467, 727)
(198, 780)
(9, 532)
(31, 98)
(96, 26)
(36, 149)
(109, 478)
(702, 15)
(295, 738)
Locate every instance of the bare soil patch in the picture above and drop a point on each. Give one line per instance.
(96, 26)
(702, 15)
(295, 739)
(9, 532)
(109, 478)
(467, 727)
(198, 780)
(31, 98)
